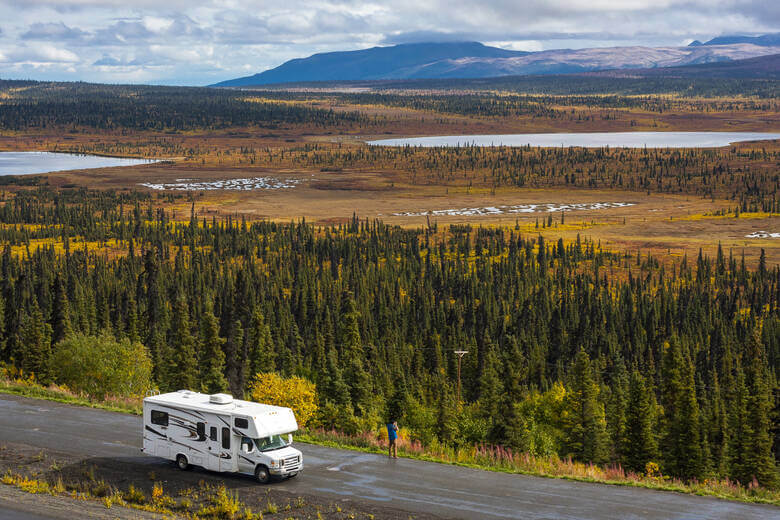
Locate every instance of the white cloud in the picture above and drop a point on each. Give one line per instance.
(39, 54)
(519, 45)
(157, 24)
(201, 41)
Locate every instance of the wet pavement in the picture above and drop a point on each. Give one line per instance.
(409, 485)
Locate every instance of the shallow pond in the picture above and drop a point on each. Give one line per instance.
(28, 163)
(589, 140)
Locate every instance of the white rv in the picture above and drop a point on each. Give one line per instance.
(220, 433)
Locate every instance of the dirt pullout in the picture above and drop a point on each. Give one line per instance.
(86, 482)
(20, 504)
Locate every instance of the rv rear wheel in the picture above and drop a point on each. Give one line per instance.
(181, 461)
(262, 475)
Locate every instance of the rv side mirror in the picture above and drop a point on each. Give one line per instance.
(289, 438)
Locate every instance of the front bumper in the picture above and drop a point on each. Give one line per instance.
(286, 470)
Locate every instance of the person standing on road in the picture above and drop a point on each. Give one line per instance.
(392, 437)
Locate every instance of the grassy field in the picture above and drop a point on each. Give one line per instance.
(668, 223)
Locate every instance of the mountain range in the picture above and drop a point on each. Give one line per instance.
(761, 67)
(767, 40)
(475, 60)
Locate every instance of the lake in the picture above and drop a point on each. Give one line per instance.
(588, 140)
(28, 163)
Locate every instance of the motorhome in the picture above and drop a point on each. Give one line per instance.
(220, 433)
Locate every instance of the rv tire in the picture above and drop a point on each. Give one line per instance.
(262, 475)
(182, 463)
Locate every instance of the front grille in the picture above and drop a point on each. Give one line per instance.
(291, 462)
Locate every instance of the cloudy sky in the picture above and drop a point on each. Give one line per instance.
(196, 42)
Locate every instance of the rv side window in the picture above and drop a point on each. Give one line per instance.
(226, 438)
(201, 431)
(213, 433)
(240, 422)
(159, 418)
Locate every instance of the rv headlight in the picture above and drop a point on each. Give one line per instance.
(274, 463)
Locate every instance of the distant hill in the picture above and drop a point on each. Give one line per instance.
(762, 67)
(767, 40)
(474, 60)
(399, 61)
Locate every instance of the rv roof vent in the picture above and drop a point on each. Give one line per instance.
(220, 399)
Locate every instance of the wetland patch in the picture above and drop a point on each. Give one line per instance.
(519, 208)
(248, 184)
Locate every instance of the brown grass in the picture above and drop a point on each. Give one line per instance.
(659, 223)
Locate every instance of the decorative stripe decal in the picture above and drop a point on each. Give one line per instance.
(155, 431)
(191, 412)
(182, 444)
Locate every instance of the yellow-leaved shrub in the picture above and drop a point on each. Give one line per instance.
(293, 392)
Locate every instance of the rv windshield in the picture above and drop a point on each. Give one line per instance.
(274, 442)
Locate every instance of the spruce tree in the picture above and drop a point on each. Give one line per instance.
(212, 361)
(585, 435)
(759, 463)
(397, 404)
(60, 313)
(131, 320)
(682, 440)
(737, 420)
(262, 357)
(235, 359)
(355, 374)
(640, 445)
(182, 370)
(334, 388)
(446, 413)
(491, 394)
(4, 354)
(35, 345)
(350, 343)
(617, 410)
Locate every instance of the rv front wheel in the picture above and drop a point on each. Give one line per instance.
(262, 475)
(181, 461)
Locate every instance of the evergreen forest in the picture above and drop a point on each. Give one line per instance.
(574, 350)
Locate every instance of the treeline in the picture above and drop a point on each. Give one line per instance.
(571, 84)
(109, 107)
(579, 84)
(555, 107)
(571, 350)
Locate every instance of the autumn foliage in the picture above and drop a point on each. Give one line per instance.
(293, 392)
